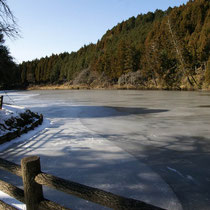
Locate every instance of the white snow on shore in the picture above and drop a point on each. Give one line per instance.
(26, 136)
(7, 112)
(11, 201)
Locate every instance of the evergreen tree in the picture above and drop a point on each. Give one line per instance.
(165, 47)
(9, 76)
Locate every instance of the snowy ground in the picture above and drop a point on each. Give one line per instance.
(46, 123)
(6, 113)
(14, 118)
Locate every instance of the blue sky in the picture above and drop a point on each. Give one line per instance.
(55, 26)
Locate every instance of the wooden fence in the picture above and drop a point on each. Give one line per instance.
(1, 101)
(32, 195)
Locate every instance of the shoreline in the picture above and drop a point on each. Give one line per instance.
(16, 122)
(111, 87)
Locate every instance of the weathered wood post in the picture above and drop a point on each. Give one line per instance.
(32, 191)
(1, 101)
(40, 119)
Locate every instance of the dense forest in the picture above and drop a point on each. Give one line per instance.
(161, 50)
(9, 72)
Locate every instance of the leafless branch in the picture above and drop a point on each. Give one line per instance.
(8, 24)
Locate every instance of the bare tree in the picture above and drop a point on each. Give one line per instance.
(179, 54)
(8, 24)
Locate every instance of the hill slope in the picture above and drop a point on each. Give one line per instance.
(160, 50)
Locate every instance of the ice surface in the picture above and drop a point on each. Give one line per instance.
(76, 147)
(174, 170)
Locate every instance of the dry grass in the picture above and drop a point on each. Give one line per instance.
(110, 87)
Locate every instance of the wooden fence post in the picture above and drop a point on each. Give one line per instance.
(40, 119)
(1, 101)
(32, 191)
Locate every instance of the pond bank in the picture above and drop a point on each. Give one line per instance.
(15, 121)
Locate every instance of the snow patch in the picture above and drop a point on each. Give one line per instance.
(9, 111)
(13, 202)
(6, 114)
(46, 123)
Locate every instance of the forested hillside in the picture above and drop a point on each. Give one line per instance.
(9, 74)
(160, 50)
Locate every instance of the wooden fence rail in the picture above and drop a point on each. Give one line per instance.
(4, 205)
(34, 179)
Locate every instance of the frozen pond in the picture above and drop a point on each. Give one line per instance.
(168, 132)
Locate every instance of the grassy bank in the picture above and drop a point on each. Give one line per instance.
(110, 87)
